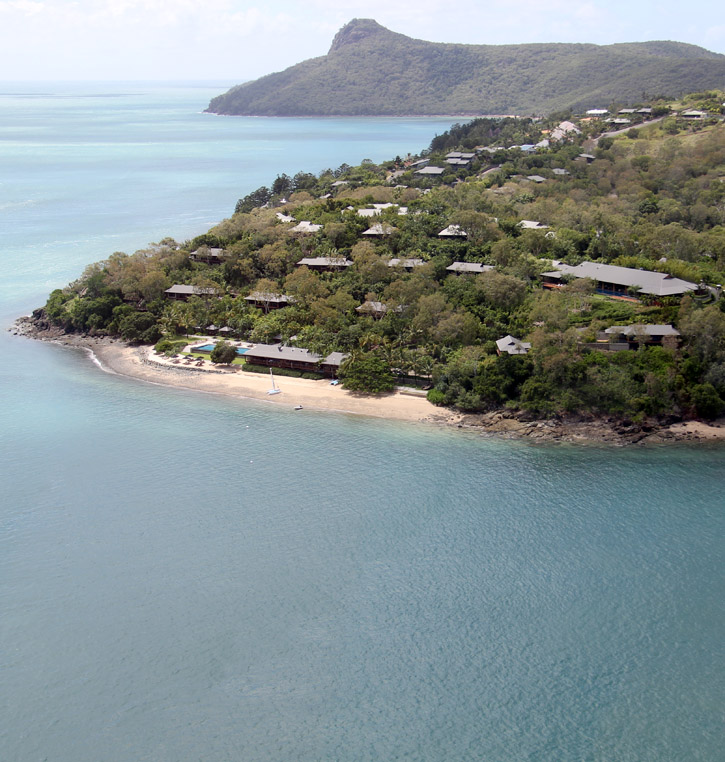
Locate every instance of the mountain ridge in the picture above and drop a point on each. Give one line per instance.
(372, 71)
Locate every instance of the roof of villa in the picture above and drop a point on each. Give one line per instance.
(648, 281)
(469, 267)
(513, 346)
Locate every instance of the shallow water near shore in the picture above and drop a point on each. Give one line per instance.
(185, 576)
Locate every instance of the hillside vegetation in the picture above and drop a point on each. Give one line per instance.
(370, 70)
(652, 198)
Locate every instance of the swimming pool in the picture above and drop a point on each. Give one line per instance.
(209, 347)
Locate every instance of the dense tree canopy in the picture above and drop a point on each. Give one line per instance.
(652, 200)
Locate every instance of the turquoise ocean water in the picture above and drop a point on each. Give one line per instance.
(190, 577)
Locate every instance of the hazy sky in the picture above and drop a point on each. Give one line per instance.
(243, 39)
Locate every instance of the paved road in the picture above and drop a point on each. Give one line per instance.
(614, 133)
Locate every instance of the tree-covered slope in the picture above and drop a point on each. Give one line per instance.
(370, 70)
(651, 199)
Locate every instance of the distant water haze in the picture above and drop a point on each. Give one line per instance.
(185, 576)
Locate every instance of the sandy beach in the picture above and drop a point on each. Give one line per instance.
(143, 363)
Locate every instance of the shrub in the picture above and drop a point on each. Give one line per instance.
(224, 353)
(436, 397)
(168, 346)
(367, 373)
(707, 402)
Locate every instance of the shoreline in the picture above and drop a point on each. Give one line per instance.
(142, 364)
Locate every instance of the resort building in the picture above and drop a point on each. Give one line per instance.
(612, 280)
(211, 256)
(306, 227)
(375, 310)
(468, 267)
(620, 338)
(458, 159)
(406, 264)
(325, 264)
(532, 225)
(430, 171)
(295, 358)
(182, 292)
(642, 334)
(512, 346)
(377, 209)
(453, 231)
(268, 301)
(380, 230)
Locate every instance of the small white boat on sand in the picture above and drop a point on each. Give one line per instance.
(274, 389)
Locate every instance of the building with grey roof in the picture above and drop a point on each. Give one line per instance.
(207, 254)
(468, 267)
(512, 346)
(374, 309)
(641, 329)
(430, 171)
(269, 301)
(564, 130)
(306, 227)
(377, 209)
(182, 291)
(406, 264)
(324, 264)
(532, 225)
(296, 358)
(380, 229)
(453, 231)
(613, 280)
(634, 335)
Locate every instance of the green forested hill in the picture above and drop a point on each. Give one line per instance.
(370, 70)
(650, 199)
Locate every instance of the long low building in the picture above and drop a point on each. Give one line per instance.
(182, 292)
(269, 301)
(325, 264)
(295, 358)
(469, 267)
(407, 264)
(613, 280)
(648, 334)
